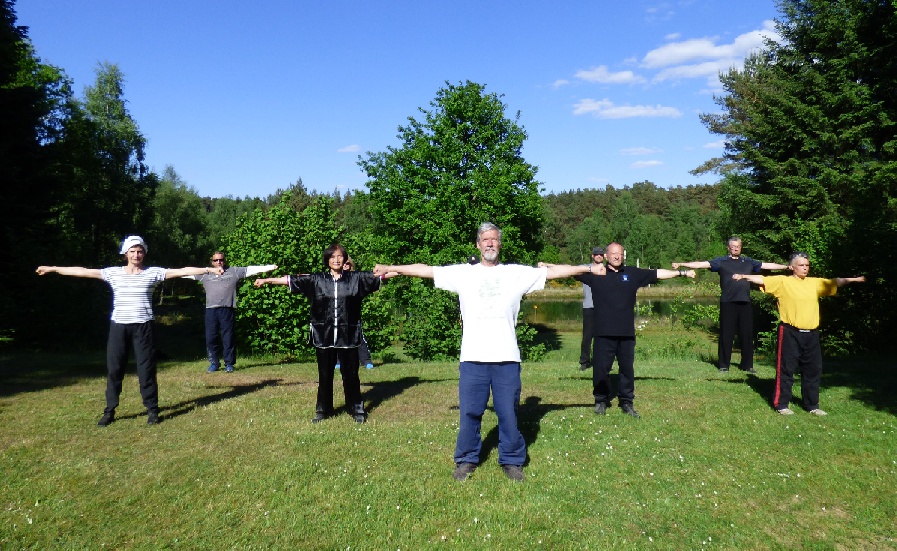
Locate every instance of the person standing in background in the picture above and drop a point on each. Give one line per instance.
(585, 350)
(221, 303)
(735, 309)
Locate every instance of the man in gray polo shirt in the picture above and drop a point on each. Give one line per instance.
(221, 300)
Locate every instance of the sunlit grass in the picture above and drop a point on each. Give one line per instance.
(236, 462)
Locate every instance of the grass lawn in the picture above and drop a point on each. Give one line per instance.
(236, 462)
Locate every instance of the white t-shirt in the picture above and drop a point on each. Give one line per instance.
(490, 301)
(132, 294)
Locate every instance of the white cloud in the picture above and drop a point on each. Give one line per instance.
(349, 149)
(719, 144)
(640, 151)
(645, 164)
(559, 82)
(602, 75)
(706, 48)
(605, 109)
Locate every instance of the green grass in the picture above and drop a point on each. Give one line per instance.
(236, 462)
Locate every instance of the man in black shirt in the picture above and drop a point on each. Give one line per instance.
(614, 324)
(735, 314)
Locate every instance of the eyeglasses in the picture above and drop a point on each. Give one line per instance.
(217, 260)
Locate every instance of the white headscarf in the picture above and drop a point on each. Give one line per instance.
(132, 240)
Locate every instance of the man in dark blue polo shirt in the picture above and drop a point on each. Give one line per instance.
(735, 313)
(614, 325)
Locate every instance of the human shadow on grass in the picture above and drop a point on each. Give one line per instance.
(382, 391)
(529, 421)
(872, 383)
(234, 391)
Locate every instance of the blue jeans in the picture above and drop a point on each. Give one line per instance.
(220, 320)
(476, 381)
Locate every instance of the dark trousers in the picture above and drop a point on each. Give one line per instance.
(585, 350)
(138, 337)
(348, 360)
(797, 351)
(476, 380)
(364, 353)
(736, 317)
(606, 349)
(220, 321)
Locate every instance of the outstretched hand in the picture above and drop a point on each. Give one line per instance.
(380, 270)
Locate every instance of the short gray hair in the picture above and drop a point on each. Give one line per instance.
(488, 226)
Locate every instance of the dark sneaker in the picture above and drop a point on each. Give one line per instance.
(318, 417)
(229, 369)
(584, 367)
(723, 369)
(360, 417)
(600, 408)
(463, 470)
(106, 419)
(153, 418)
(212, 368)
(629, 410)
(514, 472)
(750, 371)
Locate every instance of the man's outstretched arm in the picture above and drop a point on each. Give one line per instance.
(413, 270)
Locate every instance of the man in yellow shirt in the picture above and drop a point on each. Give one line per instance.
(798, 338)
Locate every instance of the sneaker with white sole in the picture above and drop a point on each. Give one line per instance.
(784, 411)
(818, 412)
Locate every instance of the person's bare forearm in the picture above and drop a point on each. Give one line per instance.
(412, 270)
(670, 274)
(753, 278)
(73, 271)
(845, 280)
(694, 265)
(283, 280)
(181, 272)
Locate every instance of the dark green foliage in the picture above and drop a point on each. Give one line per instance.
(812, 155)
(656, 226)
(459, 167)
(271, 319)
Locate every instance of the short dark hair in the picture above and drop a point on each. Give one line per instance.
(330, 251)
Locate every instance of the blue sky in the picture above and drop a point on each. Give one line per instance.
(243, 98)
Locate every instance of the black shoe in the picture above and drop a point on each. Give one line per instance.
(319, 416)
(153, 418)
(106, 419)
(723, 369)
(360, 417)
(584, 367)
(463, 470)
(629, 410)
(514, 472)
(600, 408)
(750, 371)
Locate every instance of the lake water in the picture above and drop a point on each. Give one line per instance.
(552, 312)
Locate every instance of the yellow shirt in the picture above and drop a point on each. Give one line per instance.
(799, 298)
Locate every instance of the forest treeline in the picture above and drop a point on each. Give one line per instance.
(810, 126)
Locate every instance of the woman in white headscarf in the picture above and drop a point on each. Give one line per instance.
(132, 321)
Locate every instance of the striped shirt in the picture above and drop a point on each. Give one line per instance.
(132, 294)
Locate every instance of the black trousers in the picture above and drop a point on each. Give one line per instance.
(606, 349)
(348, 360)
(585, 350)
(797, 350)
(140, 338)
(736, 318)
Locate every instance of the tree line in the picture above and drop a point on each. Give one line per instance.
(809, 165)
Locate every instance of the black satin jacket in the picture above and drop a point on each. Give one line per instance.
(335, 306)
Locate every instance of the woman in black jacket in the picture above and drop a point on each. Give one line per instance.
(335, 298)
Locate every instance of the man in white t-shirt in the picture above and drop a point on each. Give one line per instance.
(132, 321)
(489, 293)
